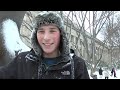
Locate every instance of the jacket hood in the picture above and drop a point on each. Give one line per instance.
(49, 18)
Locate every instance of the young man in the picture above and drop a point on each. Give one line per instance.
(49, 57)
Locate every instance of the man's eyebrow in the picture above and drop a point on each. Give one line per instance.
(40, 28)
(53, 27)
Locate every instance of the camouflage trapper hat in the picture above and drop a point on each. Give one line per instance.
(46, 18)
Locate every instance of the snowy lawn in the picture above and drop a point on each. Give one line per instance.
(103, 77)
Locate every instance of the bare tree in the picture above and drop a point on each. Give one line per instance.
(95, 25)
(112, 35)
(27, 26)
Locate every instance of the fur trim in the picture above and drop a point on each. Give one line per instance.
(49, 18)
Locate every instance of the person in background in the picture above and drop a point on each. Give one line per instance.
(113, 72)
(100, 72)
(106, 73)
(72, 53)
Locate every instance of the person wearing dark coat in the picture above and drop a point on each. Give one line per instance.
(100, 72)
(49, 57)
(113, 72)
(72, 53)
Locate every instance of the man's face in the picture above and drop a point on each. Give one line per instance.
(48, 37)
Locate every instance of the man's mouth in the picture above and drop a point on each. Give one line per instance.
(47, 44)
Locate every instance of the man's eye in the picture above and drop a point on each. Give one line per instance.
(52, 31)
(40, 31)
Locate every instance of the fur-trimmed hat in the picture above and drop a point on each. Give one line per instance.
(45, 18)
(49, 18)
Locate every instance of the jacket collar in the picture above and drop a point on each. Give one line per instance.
(31, 56)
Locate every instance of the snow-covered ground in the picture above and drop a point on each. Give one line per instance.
(103, 77)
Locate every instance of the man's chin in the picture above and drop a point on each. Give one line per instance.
(48, 51)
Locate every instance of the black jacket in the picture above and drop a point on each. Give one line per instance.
(100, 71)
(26, 64)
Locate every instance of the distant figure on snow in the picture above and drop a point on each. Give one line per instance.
(106, 73)
(113, 72)
(100, 72)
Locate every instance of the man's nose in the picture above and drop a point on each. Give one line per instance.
(46, 36)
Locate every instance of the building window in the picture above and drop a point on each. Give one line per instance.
(72, 38)
(75, 40)
(80, 41)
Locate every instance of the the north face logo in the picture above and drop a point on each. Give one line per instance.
(65, 73)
